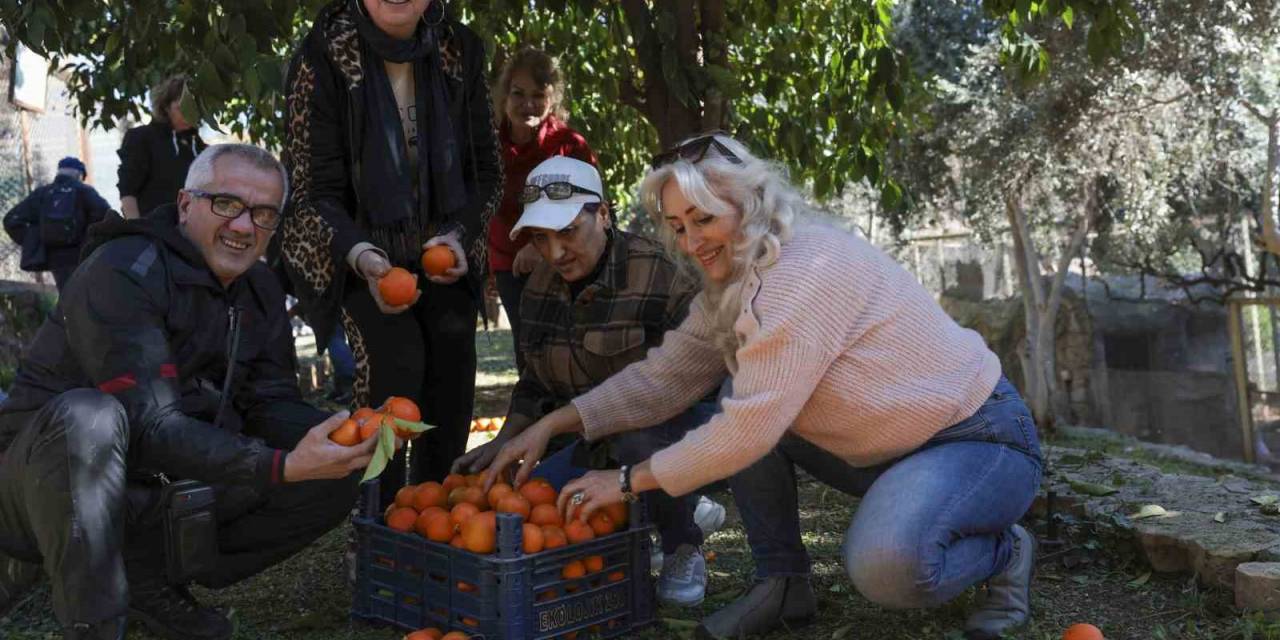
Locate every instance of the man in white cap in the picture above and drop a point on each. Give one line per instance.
(600, 299)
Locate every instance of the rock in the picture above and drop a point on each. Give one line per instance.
(1165, 551)
(1257, 586)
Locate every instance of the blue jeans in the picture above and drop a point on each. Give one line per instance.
(930, 524)
(344, 363)
(673, 517)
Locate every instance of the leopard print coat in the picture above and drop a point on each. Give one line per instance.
(321, 152)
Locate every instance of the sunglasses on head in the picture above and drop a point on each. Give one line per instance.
(695, 150)
(554, 190)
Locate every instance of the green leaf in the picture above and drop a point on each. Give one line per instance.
(382, 453)
(1140, 580)
(1265, 499)
(1068, 16)
(416, 427)
(1092, 488)
(1220, 517)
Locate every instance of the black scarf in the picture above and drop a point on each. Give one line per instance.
(400, 204)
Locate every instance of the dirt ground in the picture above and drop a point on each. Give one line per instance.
(1092, 576)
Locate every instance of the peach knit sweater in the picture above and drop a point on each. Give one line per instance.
(838, 343)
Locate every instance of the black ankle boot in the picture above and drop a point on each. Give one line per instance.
(170, 611)
(770, 603)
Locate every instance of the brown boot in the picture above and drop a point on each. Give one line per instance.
(770, 603)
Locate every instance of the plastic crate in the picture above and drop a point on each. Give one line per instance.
(405, 580)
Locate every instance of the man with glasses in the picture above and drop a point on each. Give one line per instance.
(155, 434)
(597, 302)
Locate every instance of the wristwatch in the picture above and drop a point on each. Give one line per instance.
(624, 481)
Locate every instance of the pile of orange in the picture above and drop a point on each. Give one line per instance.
(460, 513)
(365, 422)
(479, 425)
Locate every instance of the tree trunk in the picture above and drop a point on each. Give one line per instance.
(1048, 404)
(698, 39)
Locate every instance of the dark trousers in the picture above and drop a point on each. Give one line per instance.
(61, 275)
(65, 503)
(426, 354)
(510, 287)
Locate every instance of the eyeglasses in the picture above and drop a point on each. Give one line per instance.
(225, 205)
(554, 190)
(695, 150)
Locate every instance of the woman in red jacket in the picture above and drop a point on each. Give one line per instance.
(527, 101)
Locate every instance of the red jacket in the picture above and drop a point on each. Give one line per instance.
(554, 138)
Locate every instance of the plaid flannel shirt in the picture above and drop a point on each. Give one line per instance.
(570, 346)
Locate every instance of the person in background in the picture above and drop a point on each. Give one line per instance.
(391, 144)
(51, 224)
(532, 126)
(154, 157)
(842, 364)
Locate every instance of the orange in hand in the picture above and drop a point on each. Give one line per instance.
(438, 259)
(578, 531)
(601, 523)
(347, 434)
(618, 512)
(397, 287)
(512, 503)
(545, 514)
(430, 633)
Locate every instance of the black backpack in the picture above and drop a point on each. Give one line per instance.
(60, 216)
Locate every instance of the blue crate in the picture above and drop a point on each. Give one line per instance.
(405, 580)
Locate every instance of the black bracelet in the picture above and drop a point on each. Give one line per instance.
(624, 479)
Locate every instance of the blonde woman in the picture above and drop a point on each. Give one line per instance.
(842, 364)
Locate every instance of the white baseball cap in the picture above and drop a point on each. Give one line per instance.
(546, 213)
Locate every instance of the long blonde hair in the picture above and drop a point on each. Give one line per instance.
(756, 189)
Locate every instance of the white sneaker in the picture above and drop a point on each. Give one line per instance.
(683, 579)
(708, 515)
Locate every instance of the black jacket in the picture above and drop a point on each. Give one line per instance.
(153, 163)
(23, 221)
(323, 142)
(146, 321)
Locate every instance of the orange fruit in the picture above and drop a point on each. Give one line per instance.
(347, 434)
(430, 633)
(1082, 631)
(475, 479)
(533, 541)
(513, 503)
(573, 569)
(470, 622)
(453, 480)
(549, 594)
(397, 287)
(593, 563)
(402, 408)
(434, 524)
(473, 495)
(404, 497)
(456, 635)
(618, 512)
(538, 491)
(545, 514)
(553, 537)
(615, 576)
(462, 512)
(480, 533)
(363, 414)
(430, 494)
(709, 556)
(456, 542)
(601, 523)
(438, 259)
(578, 531)
(402, 519)
(369, 429)
(466, 587)
(498, 490)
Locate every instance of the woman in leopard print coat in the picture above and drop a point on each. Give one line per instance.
(390, 148)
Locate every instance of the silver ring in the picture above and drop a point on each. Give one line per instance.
(577, 498)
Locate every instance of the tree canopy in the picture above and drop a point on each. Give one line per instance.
(818, 85)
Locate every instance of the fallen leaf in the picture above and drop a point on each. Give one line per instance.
(1153, 511)
(1220, 516)
(1140, 580)
(1092, 488)
(842, 632)
(1265, 500)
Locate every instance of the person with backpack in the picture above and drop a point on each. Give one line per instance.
(50, 223)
